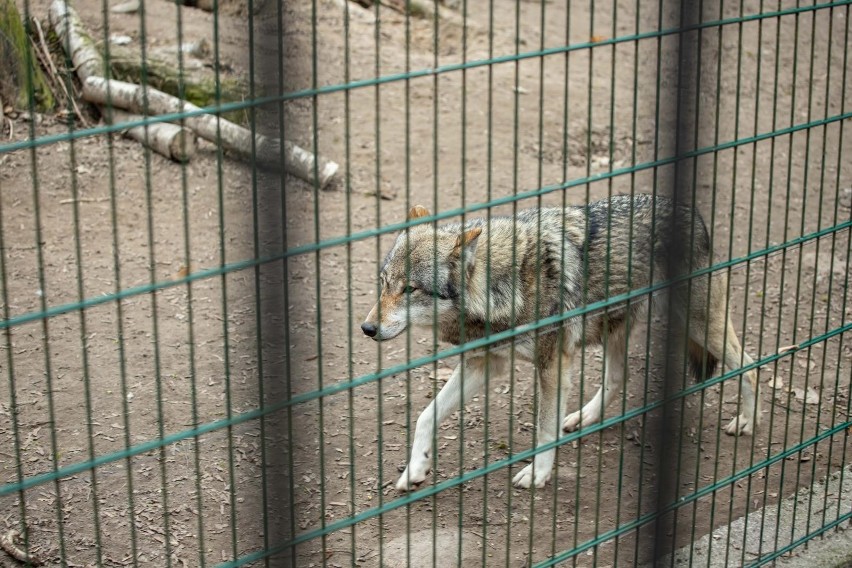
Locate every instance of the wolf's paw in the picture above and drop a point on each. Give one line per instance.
(742, 425)
(527, 477)
(572, 421)
(414, 475)
(580, 419)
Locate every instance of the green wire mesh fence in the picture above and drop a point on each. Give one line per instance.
(185, 379)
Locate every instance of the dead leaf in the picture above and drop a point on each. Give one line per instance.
(812, 396)
(442, 375)
(182, 272)
(598, 38)
(775, 382)
(129, 7)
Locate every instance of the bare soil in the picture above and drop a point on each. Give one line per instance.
(86, 218)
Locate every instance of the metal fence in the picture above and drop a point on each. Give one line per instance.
(186, 380)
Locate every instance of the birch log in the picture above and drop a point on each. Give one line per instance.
(75, 40)
(170, 140)
(230, 136)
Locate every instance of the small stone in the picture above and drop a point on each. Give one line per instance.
(845, 197)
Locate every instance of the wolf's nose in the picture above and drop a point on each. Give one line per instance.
(369, 329)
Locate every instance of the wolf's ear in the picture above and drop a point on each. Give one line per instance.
(467, 241)
(417, 211)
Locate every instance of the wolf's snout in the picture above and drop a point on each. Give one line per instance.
(369, 329)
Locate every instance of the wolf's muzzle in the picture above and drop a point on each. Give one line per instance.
(369, 329)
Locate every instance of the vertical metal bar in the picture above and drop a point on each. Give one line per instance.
(43, 295)
(585, 291)
(691, 131)
(626, 361)
(607, 271)
(408, 205)
(488, 191)
(771, 185)
(824, 158)
(463, 273)
(435, 208)
(347, 152)
(223, 279)
(732, 226)
(7, 346)
(562, 367)
(262, 394)
(651, 275)
(84, 336)
(537, 376)
(677, 264)
(834, 410)
(806, 166)
(152, 279)
(318, 284)
(290, 558)
(378, 169)
(187, 252)
(793, 74)
(513, 311)
(703, 371)
(713, 207)
(746, 294)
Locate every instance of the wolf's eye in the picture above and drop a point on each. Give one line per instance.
(409, 289)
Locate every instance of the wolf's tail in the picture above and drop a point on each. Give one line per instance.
(702, 363)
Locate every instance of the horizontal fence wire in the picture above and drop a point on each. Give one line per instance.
(492, 341)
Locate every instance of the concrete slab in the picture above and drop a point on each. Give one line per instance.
(416, 550)
(829, 500)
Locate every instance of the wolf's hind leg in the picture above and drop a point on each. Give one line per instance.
(723, 343)
(447, 401)
(553, 392)
(749, 405)
(613, 380)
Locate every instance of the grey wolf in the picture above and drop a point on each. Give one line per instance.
(491, 276)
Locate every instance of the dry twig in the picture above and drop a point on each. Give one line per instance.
(8, 544)
(53, 73)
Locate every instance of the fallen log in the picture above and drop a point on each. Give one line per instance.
(166, 139)
(231, 137)
(197, 82)
(75, 40)
(170, 140)
(150, 101)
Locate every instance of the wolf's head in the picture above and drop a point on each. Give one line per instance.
(422, 277)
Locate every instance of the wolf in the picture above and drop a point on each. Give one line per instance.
(488, 276)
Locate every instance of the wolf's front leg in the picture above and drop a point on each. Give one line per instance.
(454, 392)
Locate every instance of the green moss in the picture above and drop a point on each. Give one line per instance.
(20, 75)
(199, 86)
(417, 10)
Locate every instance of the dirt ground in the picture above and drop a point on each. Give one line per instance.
(84, 219)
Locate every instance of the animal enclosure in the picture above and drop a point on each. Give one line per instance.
(185, 379)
